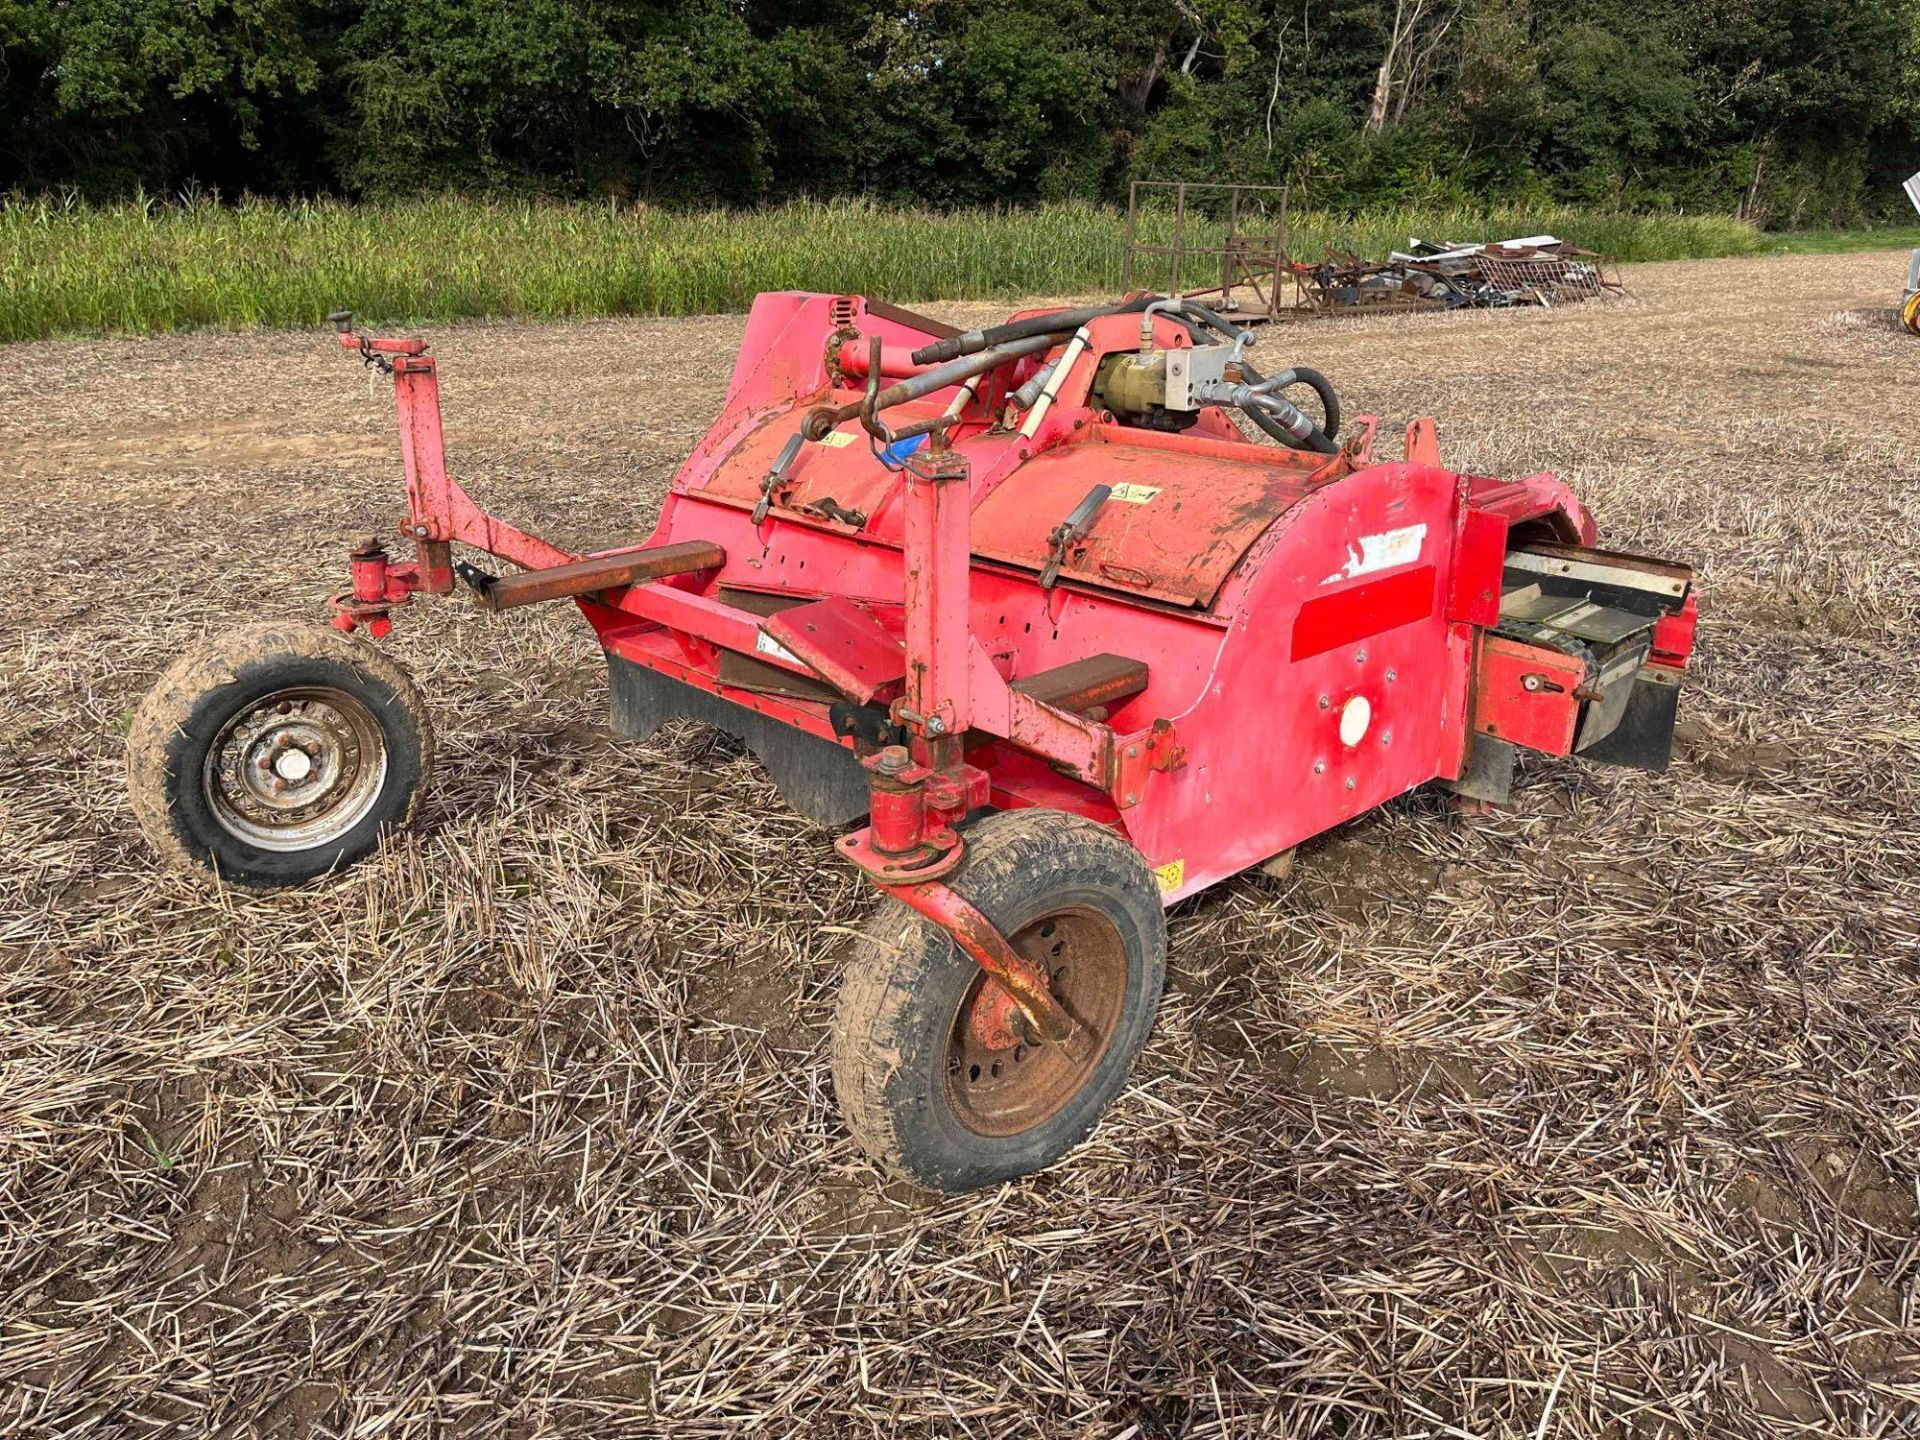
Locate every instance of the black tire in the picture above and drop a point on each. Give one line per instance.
(326, 720)
(902, 1051)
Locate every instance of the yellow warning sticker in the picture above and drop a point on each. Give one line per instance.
(1170, 875)
(1129, 494)
(837, 439)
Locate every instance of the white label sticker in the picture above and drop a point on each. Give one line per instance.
(1381, 552)
(1130, 494)
(836, 439)
(767, 645)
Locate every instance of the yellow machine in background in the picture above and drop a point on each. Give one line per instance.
(1910, 301)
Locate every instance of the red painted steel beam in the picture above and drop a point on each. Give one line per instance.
(707, 619)
(602, 572)
(981, 939)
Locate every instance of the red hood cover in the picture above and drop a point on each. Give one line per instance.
(1173, 529)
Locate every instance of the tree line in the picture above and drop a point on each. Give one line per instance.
(1791, 112)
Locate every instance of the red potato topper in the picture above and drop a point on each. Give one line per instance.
(1024, 613)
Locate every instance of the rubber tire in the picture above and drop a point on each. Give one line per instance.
(906, 980)
(194, 698)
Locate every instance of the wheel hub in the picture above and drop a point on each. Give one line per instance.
(1001, 1079)
(293, 766)
(296, 768)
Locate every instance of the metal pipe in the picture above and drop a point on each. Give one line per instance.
(821, 419)
(1023, 398)
(1158, 307)
(1182, 306)
(1081, 339)
(941, 421)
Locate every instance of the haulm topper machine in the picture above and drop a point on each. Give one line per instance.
(1029, 617)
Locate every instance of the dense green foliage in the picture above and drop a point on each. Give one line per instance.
(1788, 111)
(133, 267)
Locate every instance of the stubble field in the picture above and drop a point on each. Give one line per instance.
(1598, 1116)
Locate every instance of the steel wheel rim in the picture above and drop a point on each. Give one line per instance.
(297, 768)
(1001, 1091)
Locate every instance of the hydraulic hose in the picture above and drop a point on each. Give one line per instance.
(1273, 413)
(1287, 426)
(1023, 398)
(823, 418)
(1300, 375)
(1059, 320)
(1182, 306)
(1329, 401)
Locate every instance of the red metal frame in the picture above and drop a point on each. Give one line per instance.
(1266, 592)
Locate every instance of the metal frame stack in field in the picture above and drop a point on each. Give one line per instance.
(1252, 254)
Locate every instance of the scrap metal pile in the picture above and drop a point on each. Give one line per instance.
(1534, 270)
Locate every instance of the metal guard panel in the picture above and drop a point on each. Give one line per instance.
(820, 779)
(1174, 529)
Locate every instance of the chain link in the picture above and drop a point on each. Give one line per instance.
(373, 357)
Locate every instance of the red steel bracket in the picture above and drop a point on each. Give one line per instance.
(1138, 756)
(844, 644)
(1673, 635)
(1022, 980)
(1528, 694)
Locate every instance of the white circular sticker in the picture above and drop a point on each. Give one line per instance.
(1355, 716)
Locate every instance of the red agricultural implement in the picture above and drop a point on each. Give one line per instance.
(1024, 613)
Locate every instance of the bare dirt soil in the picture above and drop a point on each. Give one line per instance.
(1597, 1117)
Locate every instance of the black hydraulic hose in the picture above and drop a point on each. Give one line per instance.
(1068, 320)
(1322, 437)
(1313, 437)
(1329, 402)
(1272, 426)
(1213, 318)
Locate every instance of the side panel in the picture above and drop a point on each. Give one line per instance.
(816, 776)
(1342, 683)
